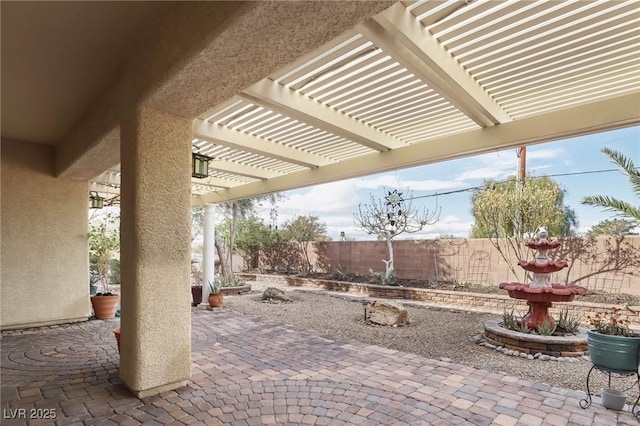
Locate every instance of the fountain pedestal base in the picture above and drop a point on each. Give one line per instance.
(538, 314)
(540, 299)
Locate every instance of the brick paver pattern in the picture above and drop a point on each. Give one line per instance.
(251, 371)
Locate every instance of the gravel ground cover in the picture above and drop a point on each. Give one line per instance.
(433, 333)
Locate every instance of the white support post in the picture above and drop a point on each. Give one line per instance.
(208, 253)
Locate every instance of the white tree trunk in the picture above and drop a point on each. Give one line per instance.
(389, 263)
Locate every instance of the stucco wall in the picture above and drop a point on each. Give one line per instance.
(44, 278)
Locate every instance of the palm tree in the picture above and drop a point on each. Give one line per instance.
(622, 208)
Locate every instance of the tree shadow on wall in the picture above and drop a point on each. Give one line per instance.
(283, 258)
(597, 255)
(322, 256)
(444, 255)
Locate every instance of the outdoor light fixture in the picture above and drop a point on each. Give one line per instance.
(200, 164)
(97, 202)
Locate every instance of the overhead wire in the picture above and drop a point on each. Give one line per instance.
(472, 188)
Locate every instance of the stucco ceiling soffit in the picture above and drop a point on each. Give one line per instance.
(100, 156)
(164, 52)
(267, 37)
(598, 116)
(290, 103)
(59, 57)
(405, 39)
(221, 135)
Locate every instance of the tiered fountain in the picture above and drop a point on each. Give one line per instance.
(539, 294)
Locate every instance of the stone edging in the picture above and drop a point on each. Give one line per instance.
(239, 289)
(532, 346)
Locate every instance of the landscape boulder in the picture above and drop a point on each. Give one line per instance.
(387, 313)
(276, 294)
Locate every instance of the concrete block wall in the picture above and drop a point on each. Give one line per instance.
(603, 264)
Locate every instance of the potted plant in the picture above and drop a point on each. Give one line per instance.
(93, 282)
(196, 287)
(196, 294)
(613, 346)
(215, 295)
(103, 244)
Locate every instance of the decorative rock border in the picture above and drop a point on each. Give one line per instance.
(532, 346)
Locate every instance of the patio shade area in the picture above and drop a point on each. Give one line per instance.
(115, 97)
(422, 82)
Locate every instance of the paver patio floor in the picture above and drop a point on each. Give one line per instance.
(250, 371)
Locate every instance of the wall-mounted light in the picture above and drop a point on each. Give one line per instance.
(200, 165)
(96, 201)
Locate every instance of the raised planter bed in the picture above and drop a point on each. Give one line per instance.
(240, 289)
(558, 346)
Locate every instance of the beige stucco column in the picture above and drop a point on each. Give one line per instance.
(155, 252)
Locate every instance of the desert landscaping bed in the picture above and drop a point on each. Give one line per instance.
(487, 299)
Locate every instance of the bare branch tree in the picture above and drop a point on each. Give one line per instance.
(391, 216)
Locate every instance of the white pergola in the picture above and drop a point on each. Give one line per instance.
(423, 82)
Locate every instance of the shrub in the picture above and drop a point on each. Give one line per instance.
(610, 323)
(567, 322)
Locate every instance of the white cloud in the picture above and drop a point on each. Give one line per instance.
(429, 184)
(489, 172)
(546, 153)
(448, 225)
(502, 164)
(488, 166)
(374, 182)
(391, 181)
(328, 197)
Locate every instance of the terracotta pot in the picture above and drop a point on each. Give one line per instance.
(215, 300)
(105, 307)
(116, 332)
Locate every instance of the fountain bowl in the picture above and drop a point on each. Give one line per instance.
(543, 268)
(555, 293)
(543, 245)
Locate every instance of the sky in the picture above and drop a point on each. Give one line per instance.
(335, 203)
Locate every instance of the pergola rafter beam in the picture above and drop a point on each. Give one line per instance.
(221, 135)
(242, 169)
(401, 36)
(216, 182)
(104, 188)
(608, 114)
(280, 99)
